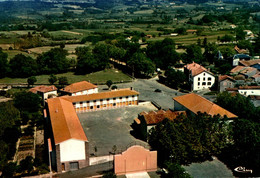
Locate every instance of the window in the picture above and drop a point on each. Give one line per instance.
(74, 166)
(198, 83)
(114, 98)
(198, 79)
(87, 101)
(108, 99)
(126, 97)
(120, 97)
(203, 78)
(81, 102)
(95, 101)
(104, 105)
(204, 74)
(209, 83)
(91, 107)
(209, 78)
(98, 106)
(101, 100)
(63, 167)
(114, 104)
(203, 83)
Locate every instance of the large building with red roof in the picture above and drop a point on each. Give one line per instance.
(196, 103)
(69, 143)
(80, 88)
(199, 77)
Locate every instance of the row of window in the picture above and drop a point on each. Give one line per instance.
(209, 79)
(204, 83)
(106, 99)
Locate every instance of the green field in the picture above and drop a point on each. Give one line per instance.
(97, 77)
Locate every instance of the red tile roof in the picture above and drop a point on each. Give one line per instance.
(156, 117)
(43, 89)
(103, 95)
(79, 86)
(249, 87)
(237, 69)
(195, 68)
(247, 70)
(196, 103)
(250, 62)
(64, 120)
(224, 77)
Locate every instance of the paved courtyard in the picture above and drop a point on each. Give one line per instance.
(107, 128)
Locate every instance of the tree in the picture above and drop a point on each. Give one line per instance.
(27, 164)
(4, 68)
(240, 34)
(205, 42)
(194, 53)
(31, 80)
(63, 81)
(53, 61)
(141, 65)
(175, 79)
(52, 79)
(109, 83)
(23, 66)
(174, 171)
(9, 169)
(27, 101)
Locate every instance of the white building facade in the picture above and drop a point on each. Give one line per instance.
(202, 81)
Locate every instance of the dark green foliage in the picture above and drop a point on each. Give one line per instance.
(240, 34)
(257, 45)
(27, 101)
(114, 87)
(241, 106)
(175, 79)
(141, 65)
(180, 31)
(174, 171)
(194, 53)
(31, 80)
(9, 169)
(52, 79)
(53, 61)
(227, 38)
(63, 81)
(109, 83)
(27, 164)
(188, 139)
(109, 175)
(162, 53)
(4, 67)
(22, 66)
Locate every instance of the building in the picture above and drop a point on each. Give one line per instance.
(195, 103)
(238, 57)
(45, 91)
(199, 77)
(104, 100)
(224, 82)
(146, 121)
(249, 90)
(69, 146)
(80, 88)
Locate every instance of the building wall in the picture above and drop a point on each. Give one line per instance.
(226, 84)
(103, 104)
(203, 81)
(135, 159)
(72, 150)
(179, 107)
(46, 95)
(86, 92)
(248, 92)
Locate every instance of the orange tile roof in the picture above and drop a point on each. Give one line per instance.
(64, 120)
(79, 86)
(248, 69)
(154, 117)
(43, 89)
(250, 62)
(103, 95)
(249, 87)
(196, 103)
(237, 69)
(224, 77)
(195, 68)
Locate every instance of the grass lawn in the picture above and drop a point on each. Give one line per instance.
(97, 77)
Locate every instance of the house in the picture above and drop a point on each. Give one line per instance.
(45, 91)
(237, 57)
(250, 63)
(225, 81)
(80, 88)
(195, 103)
(256, 77)
(146, 121)
(248, 72)
(249, 90)
(199, 76)
(104, 100)
(69, 146)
